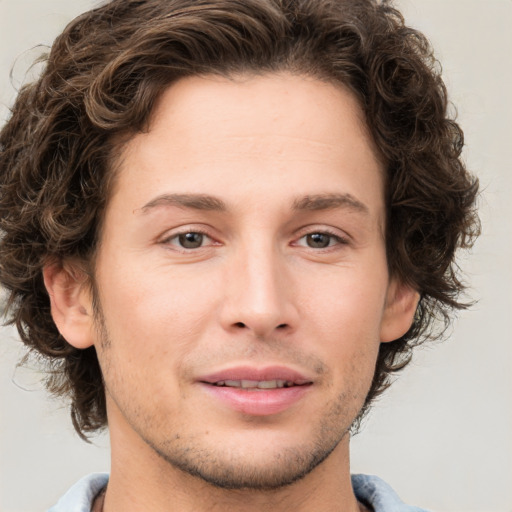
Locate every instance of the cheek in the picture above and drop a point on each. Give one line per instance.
(163, 308)
(342, 317)
(153, 323)
(346, 300)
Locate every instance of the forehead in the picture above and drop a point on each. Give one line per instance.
(262, 106)
(230, 137)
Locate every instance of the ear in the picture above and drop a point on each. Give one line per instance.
(71, 305)
(401, 303)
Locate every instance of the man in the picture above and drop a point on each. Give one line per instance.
(225, 224)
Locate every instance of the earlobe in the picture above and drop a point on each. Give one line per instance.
(401, 303)
(70, 303)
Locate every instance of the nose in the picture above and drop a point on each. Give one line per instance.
(259, 294)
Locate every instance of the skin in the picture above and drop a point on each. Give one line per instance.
(289, 164)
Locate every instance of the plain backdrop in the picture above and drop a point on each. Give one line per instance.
(442, 435)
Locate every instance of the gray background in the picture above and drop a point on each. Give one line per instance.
(442, 436)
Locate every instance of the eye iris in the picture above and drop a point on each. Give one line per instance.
(318, 240)
(191, 240)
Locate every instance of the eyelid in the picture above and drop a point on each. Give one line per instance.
(341, 236)
(169, 235)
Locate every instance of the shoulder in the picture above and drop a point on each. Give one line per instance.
(376, 493)
(80, 497)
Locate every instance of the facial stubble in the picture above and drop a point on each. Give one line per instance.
(223, 468)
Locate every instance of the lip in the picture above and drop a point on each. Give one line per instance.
(252, 373)
(261, 402)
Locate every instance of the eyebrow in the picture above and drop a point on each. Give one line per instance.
(330, 202)
(206, 202)
(194, 201)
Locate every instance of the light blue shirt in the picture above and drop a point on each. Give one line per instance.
(370, 490)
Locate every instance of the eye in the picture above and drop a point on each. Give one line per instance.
(320, 240)
(189, 240)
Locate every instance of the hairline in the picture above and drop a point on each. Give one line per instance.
(118, 141)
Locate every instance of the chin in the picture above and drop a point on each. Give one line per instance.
(222, 471)
(257, 462)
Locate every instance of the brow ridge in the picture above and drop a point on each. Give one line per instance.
(329, 202)
(194, 201)
(314, 202)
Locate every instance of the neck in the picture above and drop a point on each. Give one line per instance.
(142, 481)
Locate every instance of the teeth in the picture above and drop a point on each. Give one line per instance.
(269, 384)
(249, 384)
(255, 384)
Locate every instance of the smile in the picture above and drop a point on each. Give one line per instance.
(254, 384)
(256, 391)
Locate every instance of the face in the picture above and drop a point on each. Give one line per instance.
(242, 279)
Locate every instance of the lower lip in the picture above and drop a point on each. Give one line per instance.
(258, 402)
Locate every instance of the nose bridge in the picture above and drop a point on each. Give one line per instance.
(258, 293)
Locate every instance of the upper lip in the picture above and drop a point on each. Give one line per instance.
(256, 374)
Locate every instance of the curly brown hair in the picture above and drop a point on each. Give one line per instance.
(101, 80)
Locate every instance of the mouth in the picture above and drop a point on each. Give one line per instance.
(254, 379)
(257, 392)
(255, 385)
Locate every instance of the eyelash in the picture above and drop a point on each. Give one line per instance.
(332, 235)
(340, 240)
(167, 240)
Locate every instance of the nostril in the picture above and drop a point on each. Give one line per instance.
(242, 325)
